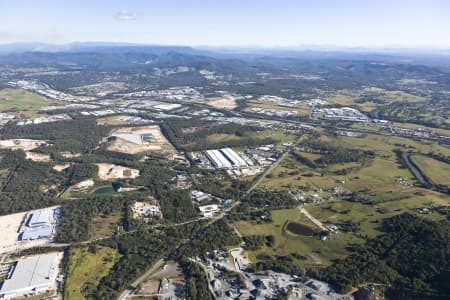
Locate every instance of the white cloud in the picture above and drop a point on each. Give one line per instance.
(125, 15)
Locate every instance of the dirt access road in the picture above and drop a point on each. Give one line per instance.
(312, 219)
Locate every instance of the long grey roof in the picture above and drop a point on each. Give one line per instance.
(30, 272)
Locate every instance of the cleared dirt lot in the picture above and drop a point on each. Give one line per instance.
(37, 156)
(70, 155)
(223, 102)
(110, 171)
(80, 187)
(9, 227)
(61, 167)
(158, 143)
(24, 144)
(9, 233)
(84, 185)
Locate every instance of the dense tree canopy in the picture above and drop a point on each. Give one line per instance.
(412, 257)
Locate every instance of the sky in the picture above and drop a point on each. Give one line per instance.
(264, 23)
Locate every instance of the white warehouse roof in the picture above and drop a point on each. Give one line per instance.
(37, 233)
(233, 157)
(133, 138)
(41, 218)
(218, 159)
(32, 274)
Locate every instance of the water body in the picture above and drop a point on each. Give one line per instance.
(106, 190)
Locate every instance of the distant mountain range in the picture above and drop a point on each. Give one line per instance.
(425, 56)
(86, 46)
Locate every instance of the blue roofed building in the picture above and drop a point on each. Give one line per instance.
(39, 224)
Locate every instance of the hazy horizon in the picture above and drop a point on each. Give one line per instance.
(318, 47)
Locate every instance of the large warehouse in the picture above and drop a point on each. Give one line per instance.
(232, 156)
(32, 275)
(39, 224)
(217, 159)
(225, 158)
(40, 218)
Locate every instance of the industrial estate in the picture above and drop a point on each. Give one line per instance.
(153, 172)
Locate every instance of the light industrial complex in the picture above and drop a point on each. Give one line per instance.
(31, 276)
(225, 158)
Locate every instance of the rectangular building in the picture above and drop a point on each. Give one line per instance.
(233, 157)
(39, 224)
(31, 276)
(217, 159)
(37, 233)
(39, 218)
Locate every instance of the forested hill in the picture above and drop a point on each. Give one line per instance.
(412, 258)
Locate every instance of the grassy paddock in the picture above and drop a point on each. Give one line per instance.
(278, 136)
(25, 103)
(287, 243)
(301, 110)
(438, 172)
(376, 184)
(86, 269)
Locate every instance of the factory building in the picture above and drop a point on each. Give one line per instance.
(233, 157)
(39, 224)
(40, 218)
(36, 233)
(217, 159)
(225, 158)
(31, 276)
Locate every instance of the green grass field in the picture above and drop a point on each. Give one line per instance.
(301, 110)
(393, 96)
(278, 136)
(86, 269)
(375, 181)
(25, 103)
(349, 97)
(287, 243)
(379, 174)
(384, 145)
(438, 172)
